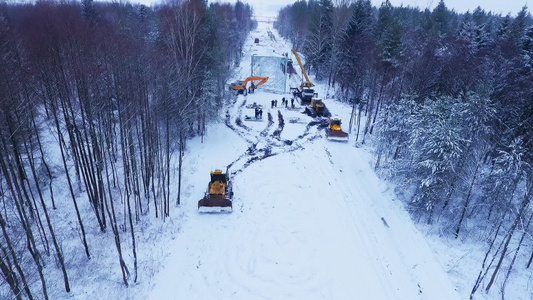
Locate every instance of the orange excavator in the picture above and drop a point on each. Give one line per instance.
(241, 86)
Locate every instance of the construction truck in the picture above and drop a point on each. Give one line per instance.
(219, 194)
(334, 131)
(241, 86)
(316, 108)
(305, 92)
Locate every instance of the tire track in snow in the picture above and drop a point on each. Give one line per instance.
(275, 251)
(267, 145)
(392, 268)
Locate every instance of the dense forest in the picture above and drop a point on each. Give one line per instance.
(448, 101)
(118, 89)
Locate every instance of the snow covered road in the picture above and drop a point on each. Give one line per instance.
(311, 220)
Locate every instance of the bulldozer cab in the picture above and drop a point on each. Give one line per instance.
(334, 123)
(217, 175)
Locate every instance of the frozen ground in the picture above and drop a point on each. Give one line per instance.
(311, 220)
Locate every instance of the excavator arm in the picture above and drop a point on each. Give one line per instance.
(307, 82)
(255, 78)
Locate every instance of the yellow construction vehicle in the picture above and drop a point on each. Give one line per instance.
(306, 91)
(307, 83)
(334, 131)
(218, 197)
(241, 86)
(316, 108)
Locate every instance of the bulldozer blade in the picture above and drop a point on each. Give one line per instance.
(337, 136)
(215, 205)
(338, 139)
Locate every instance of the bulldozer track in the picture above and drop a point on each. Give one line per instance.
(267, 142)
(281, 122)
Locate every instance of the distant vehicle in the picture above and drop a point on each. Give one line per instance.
(256, 41)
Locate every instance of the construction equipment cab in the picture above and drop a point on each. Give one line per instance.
(219, 194)
(241, 86)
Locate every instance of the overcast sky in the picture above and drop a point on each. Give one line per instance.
(497, 6)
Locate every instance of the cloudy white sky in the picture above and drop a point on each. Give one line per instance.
(497, 6)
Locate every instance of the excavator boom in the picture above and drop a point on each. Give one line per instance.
(255, 78)
(307, 82)
(244, 84)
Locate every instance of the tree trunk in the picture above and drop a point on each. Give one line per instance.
(9, 274)
(481, 274)
(519, 216)
(69, 181)
(467, 201)
(520, 243)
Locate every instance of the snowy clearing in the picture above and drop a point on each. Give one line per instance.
(311, 220)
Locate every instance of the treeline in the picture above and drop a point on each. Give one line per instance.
(448, 99)
(97, 101)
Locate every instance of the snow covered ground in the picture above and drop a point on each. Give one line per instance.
(311, 220)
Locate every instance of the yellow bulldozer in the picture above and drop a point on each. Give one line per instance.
(334, 131)
(219, 194)
(317, 108)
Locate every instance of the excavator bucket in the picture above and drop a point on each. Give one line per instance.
(218, 195)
